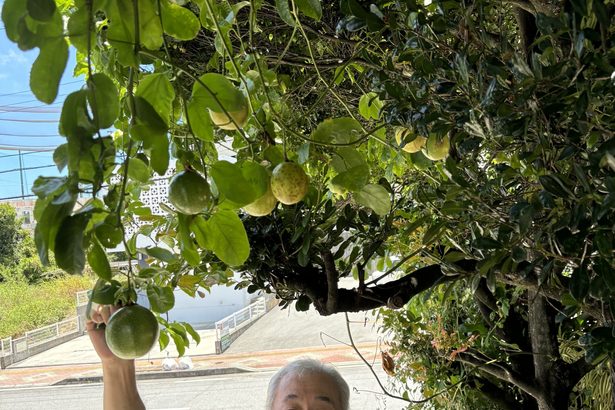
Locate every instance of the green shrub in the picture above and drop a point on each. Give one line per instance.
(26, 307)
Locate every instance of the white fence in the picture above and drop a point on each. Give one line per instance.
(240, 318)
(6, 347)
(34, 341)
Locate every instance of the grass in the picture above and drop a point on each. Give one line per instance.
(26, 307)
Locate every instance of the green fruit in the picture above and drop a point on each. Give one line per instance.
(132, 331)
(413, 146)
(289, 183)
(437, 148)
(263, 205)
(189, 192)
(240, 118)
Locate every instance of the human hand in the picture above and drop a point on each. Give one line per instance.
(96, 330)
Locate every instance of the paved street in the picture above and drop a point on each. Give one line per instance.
(243, 391)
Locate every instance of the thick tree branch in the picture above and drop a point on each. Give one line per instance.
(394, 294)
(332, 279)
(501, 372)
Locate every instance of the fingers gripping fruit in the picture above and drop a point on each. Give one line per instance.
(189, 192)
(131, 332)
(289, 183)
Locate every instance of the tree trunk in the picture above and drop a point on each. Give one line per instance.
(555, 389)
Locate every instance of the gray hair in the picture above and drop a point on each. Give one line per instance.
(309, 366)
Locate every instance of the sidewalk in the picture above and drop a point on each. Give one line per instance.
(203, 366)
(272, 341)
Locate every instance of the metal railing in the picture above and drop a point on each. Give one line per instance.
(6, 347)
(82, 298)
(47, 333)
(240, 318)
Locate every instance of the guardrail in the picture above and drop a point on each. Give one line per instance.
(6, 347)
(229, 328)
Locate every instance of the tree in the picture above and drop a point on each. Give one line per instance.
(511, 193)
(11, 235)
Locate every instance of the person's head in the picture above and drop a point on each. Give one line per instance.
(307, 384)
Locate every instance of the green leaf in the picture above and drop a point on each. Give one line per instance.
(200, 121)
(310, 8)
(346, 158)
(186, 243)
(78, 26)
(375, 197)
(256, 176)
(433, 233)
(193, 333)
(179, 22)
(370, 106)
(179, 342)
(160, 253)
(161, 298)
(48, 225)
(13, 12)
(231, 183)
(484, 242)
(579, 283)
(48, 68)
(149, 23)
(138, 170)
(97, 259)
(285, 13)
(553, 184)
(157, 90)
(41, 10)
(68, 249)
(103, 98)
(338, 130)
(353, 179)
(227, 238)
(74, 120)
(46, 186)
(121, 30)
(104, 293)
(163, 340)
(215, 91)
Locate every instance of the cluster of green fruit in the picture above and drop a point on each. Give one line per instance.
(434, 147)
(190, 193)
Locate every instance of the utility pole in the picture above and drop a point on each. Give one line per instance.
(23, 194)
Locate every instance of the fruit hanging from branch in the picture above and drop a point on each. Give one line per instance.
(263, 205)
(189, 192)
(132, 331)
(289, 183)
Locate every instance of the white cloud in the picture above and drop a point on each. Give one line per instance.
(12, 57)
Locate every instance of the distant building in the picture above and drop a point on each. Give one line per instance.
(24, 208)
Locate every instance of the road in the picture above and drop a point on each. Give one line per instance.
(242, 391)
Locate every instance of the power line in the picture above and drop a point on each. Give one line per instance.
(28, 120)
(35, 100)
(6, 171)
(31, 135)
(22, 154)
(29, 91)
(39, 148)
(36, 110)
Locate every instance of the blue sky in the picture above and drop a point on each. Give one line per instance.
(26, 122)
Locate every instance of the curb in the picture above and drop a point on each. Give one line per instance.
(157, 375)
